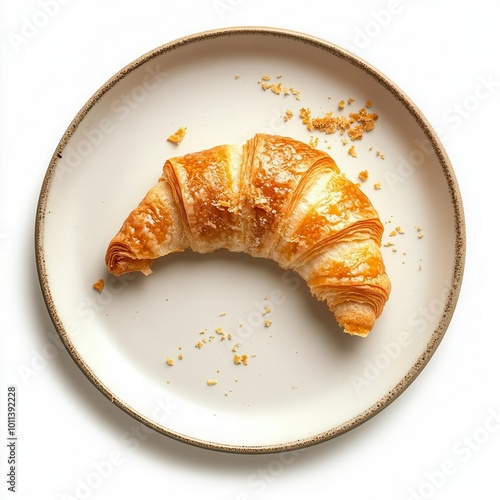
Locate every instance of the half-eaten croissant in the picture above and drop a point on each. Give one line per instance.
(272, 197)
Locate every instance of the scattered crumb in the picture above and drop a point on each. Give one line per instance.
(267, 323)
(355, 124)
(278, 88)
(368, 104)
(341, 104)
(236, 77)
(222, 314)
(99, 285)
(177, 137)
(211, 382)
(350, 100)
(240, 360)
(380, 155)
(352, 152)
(313, 142)
(363, 175)
(288, 115)
(377, 185)
(295, 92)
(180, 356)
(199, 345)
(169, 361)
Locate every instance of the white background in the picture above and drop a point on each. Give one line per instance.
(440, 439)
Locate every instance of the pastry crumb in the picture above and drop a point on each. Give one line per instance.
(377, 186)
(278, 88)
(267, 323)
(169, 361)
(240, 360)
(363, 175)
(99, 285)
(266, 310)
(354, 124)
(313, 142)
(211, 382)
(177, 137)
(288, 115)
(352, 152)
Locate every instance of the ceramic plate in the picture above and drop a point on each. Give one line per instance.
(305, 381)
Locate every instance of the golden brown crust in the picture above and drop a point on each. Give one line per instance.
(273, 197)
(152, 229)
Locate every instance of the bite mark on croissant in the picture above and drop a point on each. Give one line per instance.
(272, 197)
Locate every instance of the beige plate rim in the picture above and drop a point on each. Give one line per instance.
(444, 162)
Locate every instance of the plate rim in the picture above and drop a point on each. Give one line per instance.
(443, 160)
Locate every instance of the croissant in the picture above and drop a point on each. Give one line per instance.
(272, 197)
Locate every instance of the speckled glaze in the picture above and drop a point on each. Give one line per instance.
(446, 170)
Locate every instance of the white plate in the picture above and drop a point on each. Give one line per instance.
(305, 380)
